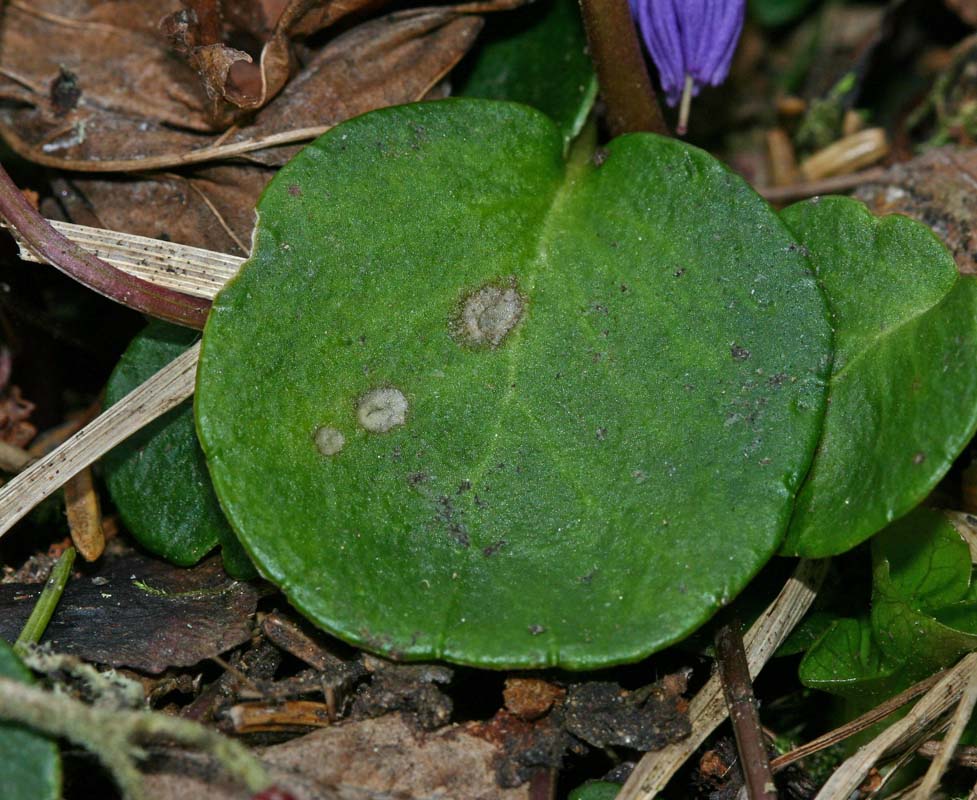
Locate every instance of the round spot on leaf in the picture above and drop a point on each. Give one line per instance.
(329, 441)
(379, 410)
(489, 314)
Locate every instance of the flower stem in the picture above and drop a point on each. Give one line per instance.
(625, 86)
(91, 271)
(685, 107)
(44, 607)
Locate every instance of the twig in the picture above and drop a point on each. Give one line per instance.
(839, 183)
(937, 701)
(965, 708)
(167, 388)
(91, 271)
(708, 708)
(624, 83)
(167, 160)
(866, 720)
(734, 673)
(44, 607)
(116, 737)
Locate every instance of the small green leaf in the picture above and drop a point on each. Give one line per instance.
(158, 478)
(537, 56)
(468, 402)
(921, 566)
(31, 762)
(847, 661)
(903, 392)
(923, 617)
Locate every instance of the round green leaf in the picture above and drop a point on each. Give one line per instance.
(158, 479)
(903, 391)
(468, 402)
(31, 762)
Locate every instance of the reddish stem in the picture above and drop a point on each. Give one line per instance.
(91, 271)
(624, 83)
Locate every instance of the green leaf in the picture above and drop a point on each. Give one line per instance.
(537, 56)
(158, 478)
(847, 661)
(778, 12)
(903, 392)
(31, 762)
(923, 616)
(468, 402)
(921, 565)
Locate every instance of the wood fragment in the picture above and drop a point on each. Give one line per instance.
(840, 183)
(847, 155)
(167, 388)
(934, 704)
(783, 159)
(263, 717)
(84, 515)
(965, 708)
(707, 709)
(734, 673)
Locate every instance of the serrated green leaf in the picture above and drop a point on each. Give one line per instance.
(536, 55)
(554, 497)
(158, 478)
(31, 762)
(903, 392)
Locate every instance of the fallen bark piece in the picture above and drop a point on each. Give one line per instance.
(366, 760)
(136, 612)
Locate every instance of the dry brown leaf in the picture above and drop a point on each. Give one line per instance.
(391, 60)
(113, 49)
(366, 759)
(395, 59)
(939, 188)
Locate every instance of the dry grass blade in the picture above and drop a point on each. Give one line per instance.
(708, 708)
(965, 708)
(849, 776)
(170, 386)
(866, 720)
(191, 270)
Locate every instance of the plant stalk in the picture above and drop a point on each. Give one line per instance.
(91, 271)
(625, 85)
(43, 610)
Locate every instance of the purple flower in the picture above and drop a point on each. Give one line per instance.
(691, 41)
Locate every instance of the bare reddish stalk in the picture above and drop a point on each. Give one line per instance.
(91, 271)
(734, 672)
(624, 82)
